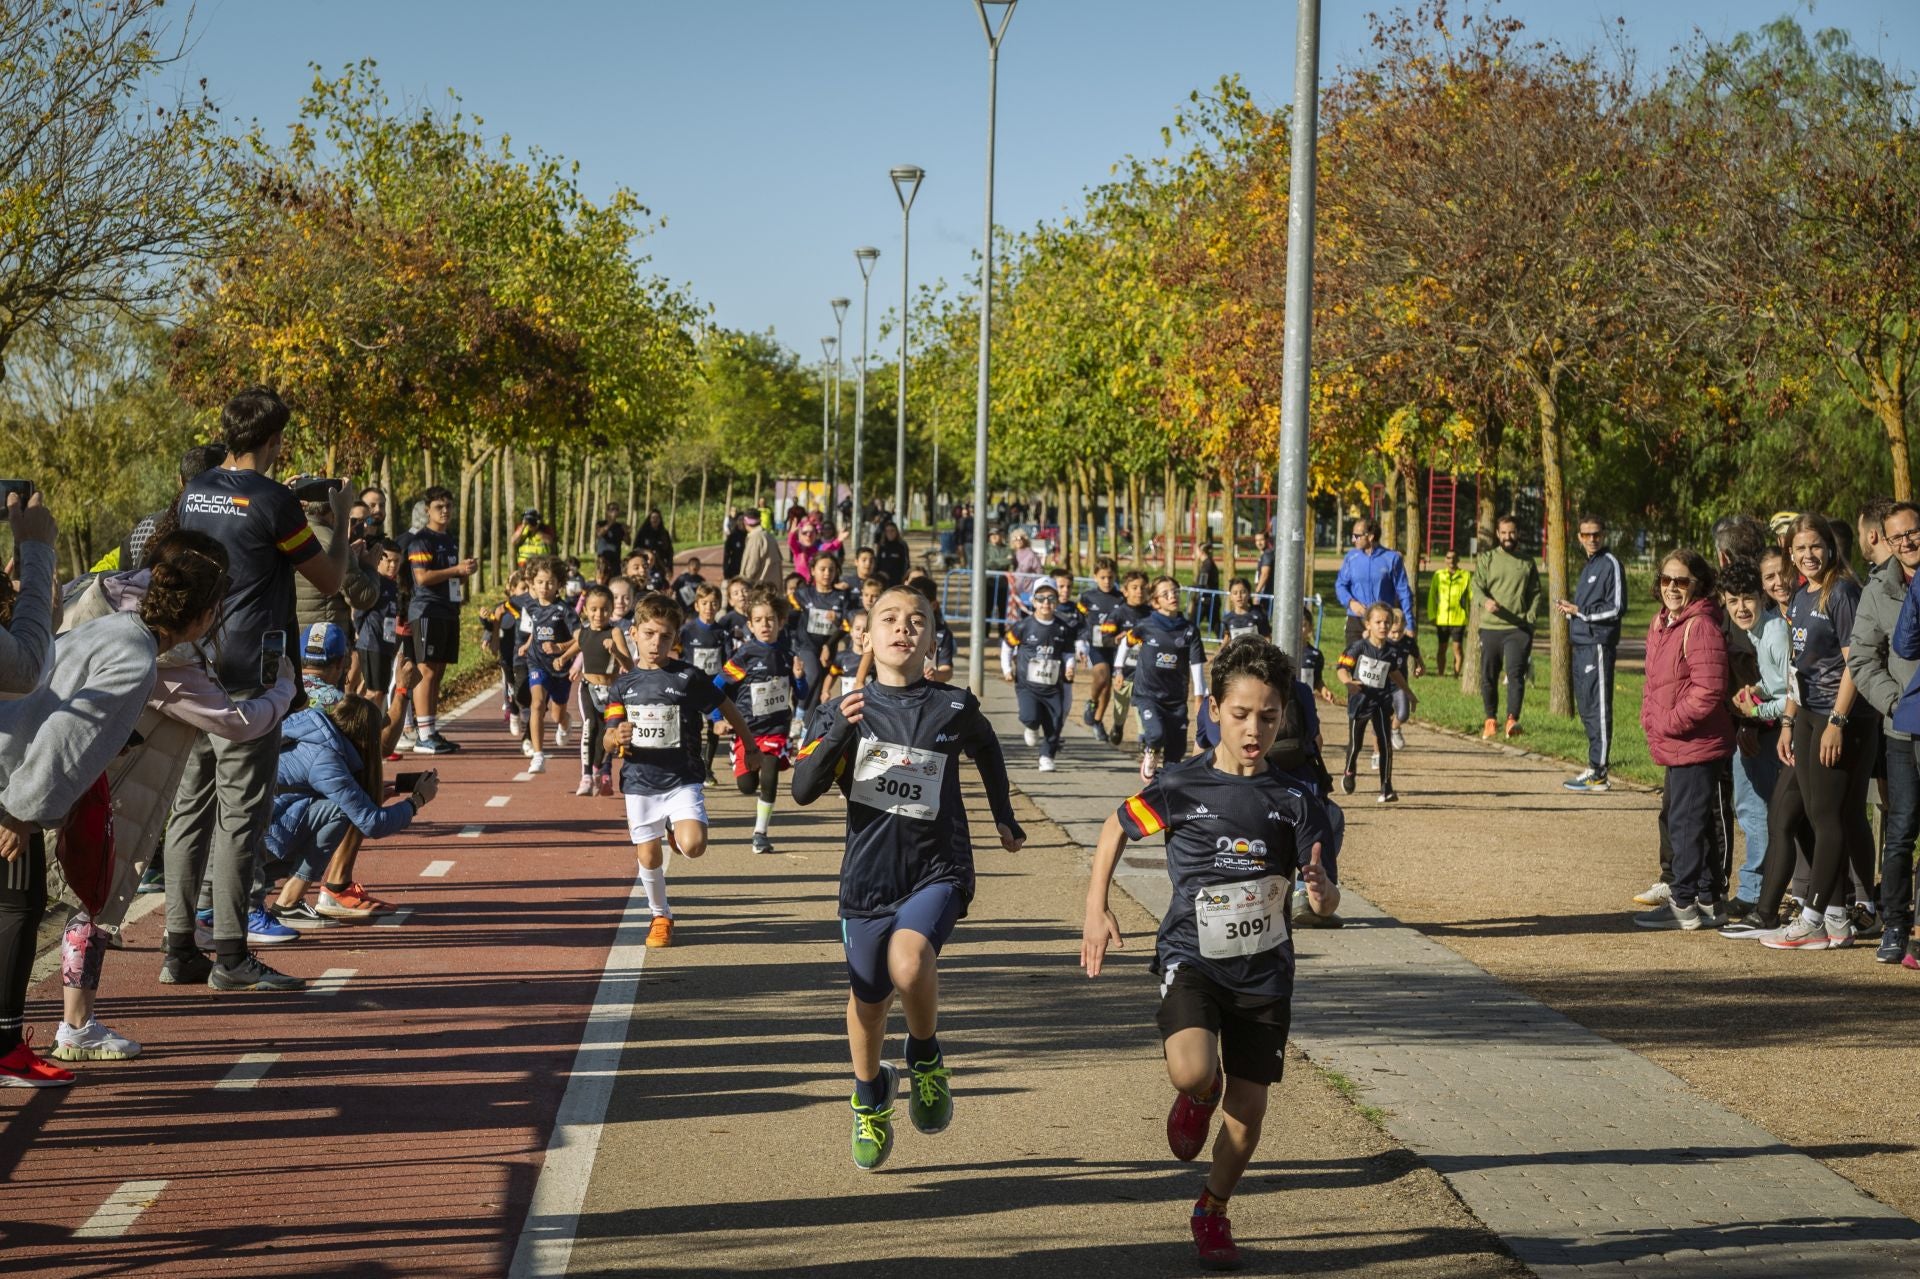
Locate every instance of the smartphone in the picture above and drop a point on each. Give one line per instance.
(8, 487)
(273, 648)
(317, 490)
(404, 783)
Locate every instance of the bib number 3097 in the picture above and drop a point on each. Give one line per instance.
(1236, 920)
(898, 779)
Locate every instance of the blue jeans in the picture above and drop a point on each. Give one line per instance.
(1753, 782)
(1902, 826)
(316, 833)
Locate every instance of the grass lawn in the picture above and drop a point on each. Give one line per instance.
(1444, 705)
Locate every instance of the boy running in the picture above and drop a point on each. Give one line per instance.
(1132, 611)
(1036, 657)
(1171, 662)
(759, 676)
(1224, 953)
(705, 643)
(654, 721)
(893, 749)
(1370, 668)
(602, 658)
(545, 628)
(1101, 635)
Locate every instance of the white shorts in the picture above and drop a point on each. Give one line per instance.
(648, 816)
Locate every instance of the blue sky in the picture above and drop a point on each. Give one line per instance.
(762, 130)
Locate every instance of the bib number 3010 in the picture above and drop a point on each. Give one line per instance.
(898, 779)
(1247, 918)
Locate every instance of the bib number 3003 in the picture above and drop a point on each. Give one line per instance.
(1236, 920)
(898, 779)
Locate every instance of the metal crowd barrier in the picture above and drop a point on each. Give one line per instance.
(956, 602)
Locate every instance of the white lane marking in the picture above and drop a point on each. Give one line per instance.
(248, 1071)
(436, 870)
(122, 1208)
(498, 801)
(523, 777)
(545, 1247)
(471, 832)
(331, 981)
(393, 920)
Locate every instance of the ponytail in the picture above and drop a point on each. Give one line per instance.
(189, 572)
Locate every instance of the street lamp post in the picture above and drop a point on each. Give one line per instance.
(866, 256)
(1293, 574)
(839, 306)
(977, 633)
(826, 420)
(906, 185)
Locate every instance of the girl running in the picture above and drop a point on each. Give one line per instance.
(1170, 661)
(705, 644)
(1370, 668)
(545, 628)
(759, 676)
(1241, 618)
(1224, 953)
(893, 749)
(820, 613)
(603, 657)
(1036, 657)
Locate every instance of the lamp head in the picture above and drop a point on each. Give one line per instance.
(906, 183)
(1003, 10)
(840, 306)
(866, 256)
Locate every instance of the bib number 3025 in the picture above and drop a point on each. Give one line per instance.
(898, 779)
(1247, 918)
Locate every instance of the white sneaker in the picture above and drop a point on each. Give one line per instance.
(538, 764)
(526, 747)
(559, 735)
(1046, 764)
(92, 1042)
(586, 785)
(1399, 740)
(1655, 896)
(1033, 738)
(513, 724)
(1583, 775)
(406, 743)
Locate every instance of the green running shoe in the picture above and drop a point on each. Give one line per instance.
(873, 1128)
(931, 1105)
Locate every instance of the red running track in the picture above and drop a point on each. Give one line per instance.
(400, 1124)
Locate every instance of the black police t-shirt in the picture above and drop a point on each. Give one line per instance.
(377, 630)
(705, 645)
(267, 537)
(545, 624)
(664, 706)
(1235, 626)
(1163, 650)
(429, 551)
(1099, 608)
(759, 679)
(1041, 651)
(819, 617)
(1240, 841)
(1818, 635)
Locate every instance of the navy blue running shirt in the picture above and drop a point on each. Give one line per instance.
(1818, 635)
(1100, 609)
(1164, 651)
(900, 771)
(429, 551)
(1225, 830)
(759, 679)
(266, 536)
(542, 624)
(665, 707)
(1041, 651)
(704, 644)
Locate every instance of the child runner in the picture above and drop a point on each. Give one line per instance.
(870, 588)
(602, 659)
(1243, 617)
(545, 628)
(759, 676)
(940, 660)
(845, 669)
(820, 614)
(1411, 665)
(688, 584)
(653, 720)
(1098, 604)
(705, 645)
(1224, 953)
(1370, 668)
(893, 749)
(1131, 611)
(733, 618)
(1313, 663)
(377, 630)
(1160, 646)
(1036, 657)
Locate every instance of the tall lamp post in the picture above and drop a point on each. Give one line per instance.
(977, 633)
(866, 256)
(839, 306)
(906, 185)
(826, 422)
(1293, 574)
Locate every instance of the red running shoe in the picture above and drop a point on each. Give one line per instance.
(22, 1068)
(1213, 1236)
(1188, 1121)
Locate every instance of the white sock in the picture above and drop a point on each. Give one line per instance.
(655, 883)
(427, 724)
(1838, 914)
(762, 816)
(1809, 914)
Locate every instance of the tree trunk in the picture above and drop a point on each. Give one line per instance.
(639, 517)
(426, 468)
(673, 506)
(502, 467)
(1553, 468)
(1415, 550)
(1389, 514)
(1889, 405)
(1113, 509)
(726, 505)
(1170, 532)
(1133, 516)
(700, 537)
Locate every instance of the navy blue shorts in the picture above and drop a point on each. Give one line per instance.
(931, 912)
(1163, 726)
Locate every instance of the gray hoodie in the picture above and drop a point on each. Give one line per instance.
(1878, 673)
(58, 739)
(26, 647)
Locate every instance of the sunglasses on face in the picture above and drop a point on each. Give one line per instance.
(1678, 583)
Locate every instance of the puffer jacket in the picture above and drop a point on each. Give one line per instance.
(1881, 675)
(1684, 706)
(318, 762)
(359, 589)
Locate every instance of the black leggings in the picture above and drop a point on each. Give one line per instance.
(766, 781)
(813, 668)
(23, 900)
(593, 727)
(1833, 801)
(1512, 649)
(1361, 711)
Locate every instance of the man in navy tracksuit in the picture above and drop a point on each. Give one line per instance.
(1593, 625)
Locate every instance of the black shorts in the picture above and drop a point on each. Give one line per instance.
(1445, 635)
(1101, 657)
(436, 639)
(1252, 1030)
(376, 668)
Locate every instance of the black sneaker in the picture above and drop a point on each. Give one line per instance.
(300, 915)
(1100, 732)
(761, 844)
(190, 969)
(1893, 945)
(1738, 908)
(1866, 921)
(435, 745)
(1346, 783)
(1086, 716)
(251, 974)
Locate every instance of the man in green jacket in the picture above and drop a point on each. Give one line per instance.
(1507, 585)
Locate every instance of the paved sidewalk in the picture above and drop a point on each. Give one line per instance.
(1583, 1156)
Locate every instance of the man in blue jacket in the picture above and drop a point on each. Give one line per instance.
(1593, 627)
(1371, 574)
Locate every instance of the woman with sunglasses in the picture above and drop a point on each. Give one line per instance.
(1829, 742)
(1690, 734)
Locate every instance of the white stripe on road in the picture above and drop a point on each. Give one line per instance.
(523, 777)
(471, 832)
(248, 1071)
(546, 1239)
(393, 920)
(122, 1208)
(436, 870)
(498, 801)
(331, 981)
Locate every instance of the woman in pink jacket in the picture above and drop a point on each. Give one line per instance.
(1689, 733)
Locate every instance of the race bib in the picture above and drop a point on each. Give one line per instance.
(655, 727)
(390, 628)
(1236, 920)
(1043, 672)
(707, 659)
(819, 620)
(769, 697)
(847, 684)
(1372, 672)
(456, 590)
(899, 779)
(1241, 632)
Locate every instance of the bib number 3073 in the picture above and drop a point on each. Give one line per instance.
(898, 779)
(1241, 919)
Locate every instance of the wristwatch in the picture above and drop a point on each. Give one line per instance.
(1836, 719)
